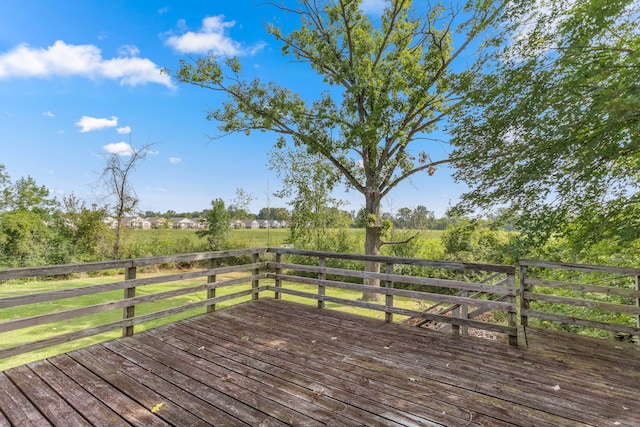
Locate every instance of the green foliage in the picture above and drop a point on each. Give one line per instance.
(280, 214)
(219, 226)
(551, 130)
(396, 77)
(24, 239)
(472, 241)
(309, 180)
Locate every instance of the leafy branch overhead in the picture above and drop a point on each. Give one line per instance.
(554, 130)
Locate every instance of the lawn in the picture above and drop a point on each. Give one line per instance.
(31, 334)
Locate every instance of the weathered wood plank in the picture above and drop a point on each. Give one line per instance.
(63, 269)
(129, 302)
(19, 300)
(195, 397)
(241, 395)
(16, 406)
(84, 333)
(606, 290)
(371, 380)
(412, 313)
(46, 399)
(96, 412)
(110, 395)
(452, 299)
(581, 322)
(349, 390)
(627, 271)
(398, 260)
(283, 363)
(425, 281)
(540, 396)
(148, 398)
(214, 359)
(579, 302)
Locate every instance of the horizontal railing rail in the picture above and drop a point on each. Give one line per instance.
(467, 291)
(285, 272)
(587, 303)
(129, 300)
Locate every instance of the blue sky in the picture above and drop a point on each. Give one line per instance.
(80, 79)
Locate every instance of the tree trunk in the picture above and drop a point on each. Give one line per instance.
(372, 243)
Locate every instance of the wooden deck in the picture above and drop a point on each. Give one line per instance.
(275, 363)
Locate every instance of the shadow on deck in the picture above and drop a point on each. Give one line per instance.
(276, 363)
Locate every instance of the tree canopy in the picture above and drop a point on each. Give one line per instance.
(552, 130)
(389, 81)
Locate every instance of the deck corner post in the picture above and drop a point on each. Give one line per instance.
(129, 311)
(524, 302)
(255, 282)
(388, 301)
(279, 259)
(513, 312)
(211, 292)
(638, 305)
(322, 263)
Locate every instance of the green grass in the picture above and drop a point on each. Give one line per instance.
(26, 335)
(22, 336)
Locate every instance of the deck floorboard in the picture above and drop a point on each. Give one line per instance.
(278, 363)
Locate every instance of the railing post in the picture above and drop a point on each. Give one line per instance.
(524, 302)
(464, 313)
(455, 313)
(513, 314)
(388, 316)
(255, 283)
(638, 305)
(322, 263)
(279, 258)
(129, 312)
(211, 293)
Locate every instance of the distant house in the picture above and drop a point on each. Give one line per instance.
(157, 222)
(132, 221)
(199, 223)
(255, 224)
(180, 223)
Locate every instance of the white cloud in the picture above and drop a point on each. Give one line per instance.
(373, 6)
(128, 50)
(88, 124)
(119, 148)
(48, 114)
(124, 130)
(212, 37)
(163, 10)
(175, 160)
(68, 60)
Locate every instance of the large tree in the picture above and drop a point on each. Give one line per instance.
(389, 81)
(553, 129)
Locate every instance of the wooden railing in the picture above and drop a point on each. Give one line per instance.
(430, 289)
(589, 296)
(467, 291)
(129, 299)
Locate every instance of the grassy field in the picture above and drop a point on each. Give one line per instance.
(238, 238)
(162, 241)
(22, 336)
